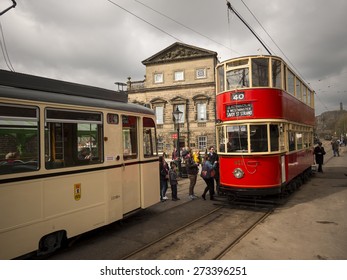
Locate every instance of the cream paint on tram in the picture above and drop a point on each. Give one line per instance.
(76, 202)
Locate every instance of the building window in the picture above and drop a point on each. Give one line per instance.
(201, 73)
(159, 113)
(158, 78)
(179, 76)
(201, 112)
(202, 142)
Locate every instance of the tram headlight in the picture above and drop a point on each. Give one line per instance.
(238, 173)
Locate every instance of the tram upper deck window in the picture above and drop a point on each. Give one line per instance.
(276, 73)
(238, 78)
(220, 79)
(19, 138)
(260, 72)
(237, 63)
(72, 138)
(298, 92)
(290, 82)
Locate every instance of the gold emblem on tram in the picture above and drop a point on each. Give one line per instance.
(77, 191)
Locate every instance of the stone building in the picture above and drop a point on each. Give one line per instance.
(179, 77)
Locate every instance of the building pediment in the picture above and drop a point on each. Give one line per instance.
(178, 51)
(178, 99)
(158, 100)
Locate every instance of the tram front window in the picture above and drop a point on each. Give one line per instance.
(238, 78)
(237, 138)
(260, 72)
(258, 138)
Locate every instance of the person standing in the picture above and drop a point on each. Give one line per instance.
(164, 177)
(214, 161)
(192, 171)
(173, 180)
(206, 174)
(196, 157)
(335, 146)
(319, 153)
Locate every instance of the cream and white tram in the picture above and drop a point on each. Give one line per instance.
(72, 158)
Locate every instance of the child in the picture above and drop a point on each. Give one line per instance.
(173, 180)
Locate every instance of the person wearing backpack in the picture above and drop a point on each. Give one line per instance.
(207, 174)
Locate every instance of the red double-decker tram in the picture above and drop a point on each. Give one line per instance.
(265, 120)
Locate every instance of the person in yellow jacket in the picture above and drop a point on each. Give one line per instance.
(196, 157)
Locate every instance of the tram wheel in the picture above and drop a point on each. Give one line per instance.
(52, 242)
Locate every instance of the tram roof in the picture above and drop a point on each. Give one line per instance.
(260, 56)
(29, 87)
(26, 81)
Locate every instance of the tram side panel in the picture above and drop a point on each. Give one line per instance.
(262, 174)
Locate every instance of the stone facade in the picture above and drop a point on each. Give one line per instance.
(180, 76)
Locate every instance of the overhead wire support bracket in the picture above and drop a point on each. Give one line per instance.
(247, 25)
(14, 4)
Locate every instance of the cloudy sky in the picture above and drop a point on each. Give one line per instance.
(100, 42)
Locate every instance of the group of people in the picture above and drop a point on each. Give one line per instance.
(209, 173)
(319, 152)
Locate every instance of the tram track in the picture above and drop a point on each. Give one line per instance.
(181, 230)
(209, 236)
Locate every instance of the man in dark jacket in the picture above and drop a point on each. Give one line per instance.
(319, 153)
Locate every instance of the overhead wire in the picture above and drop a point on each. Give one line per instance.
(142, 19)
(185, 26)
(4, 50)
(231, 8)
(278, 47)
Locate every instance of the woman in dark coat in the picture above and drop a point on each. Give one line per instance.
(319, 153)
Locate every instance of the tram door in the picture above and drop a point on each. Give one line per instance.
(131, 169)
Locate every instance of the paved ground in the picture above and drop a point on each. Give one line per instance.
(313, 225)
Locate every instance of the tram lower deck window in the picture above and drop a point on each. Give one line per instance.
(75, 141)
(19, 138)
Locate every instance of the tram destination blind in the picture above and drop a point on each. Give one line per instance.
(239, 110)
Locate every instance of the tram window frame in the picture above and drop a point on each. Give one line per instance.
(258, 138)
(23, 122)
(298, 90)
(260, 72)
(299, 140)
(274, 132)
(221, 139)
(290, 82)
(291, 141)
(79, 146)
(233, 74)
(237, 138)
(149, 138)
(130, 137)
(220, 79)
(276, 73)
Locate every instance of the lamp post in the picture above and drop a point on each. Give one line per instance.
(177, 114)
